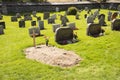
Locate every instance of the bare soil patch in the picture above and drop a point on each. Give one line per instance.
(52, 56)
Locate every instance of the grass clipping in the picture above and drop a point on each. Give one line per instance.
(52, 56)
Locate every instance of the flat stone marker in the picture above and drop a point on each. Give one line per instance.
(55, 26)
(41, 25)
(1, 30)
(115, 25)
(94, 30)
(21, 23)
(36, 31)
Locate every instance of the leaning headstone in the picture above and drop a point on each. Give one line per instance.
(94, 30)
(22, 23)
(109, 16)
(64, 20)
(18, 15)
(72, 25)
(51, 21)
(34, 13)
(36, 31)
(114, 16)
(1, 29)
(90, 19)
(115, 24)
(13, 19)
(46, 15)
(41, 25)
(63, 34)
(3, 24)
(55, 26)
(33, 23)
(102, 20)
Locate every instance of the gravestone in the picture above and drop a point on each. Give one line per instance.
(36, 31)
(13, 19)
(57, 9)
(114, 16)
(72, 25)
(33, 23)
(34, 13)
(1, 29)
(38, 18)
(27, 16)
(54, 16)
(63, 34)
(109, 16)
(64, 20)
(118, 8)
(77, 16)
(90, 19)
(46, 15)
(86, 9)
(3, 24)
(102, 20)
(22, 23)
(1, 17)
(41, 25)
(94, 30)
(115, 25)
(96, 13)
(85, 16)
(55, 26)
(18, 15)
(51, 21)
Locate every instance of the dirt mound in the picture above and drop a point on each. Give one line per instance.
(52, 56)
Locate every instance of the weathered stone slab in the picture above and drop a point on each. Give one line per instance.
(3, 24)
(13, 19)
(1, 30)
(46, 15)
(33, 23)
(55, 26)
(36, 31)
(41, 25)
(22, 23)
(115, 24)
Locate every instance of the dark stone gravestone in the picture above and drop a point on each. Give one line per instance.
(34, 13)
(77, 16)
(51, 21)
(13, 19)
(46, 15)
(54, 16)
(41, 25)
(18, 15)
(1, 29)
(64, 20)
(3, 24)
(22, 23)
(55, 26)
(72, 25)
(90, 19)
(102, 20)
(27, 16)
(38, 18)
(63, 34)
(114, 16)
(1, 17)
(115, 24)
(36, 31)
(33, 23)
(85, 16)
(109, 16)
(94, 30)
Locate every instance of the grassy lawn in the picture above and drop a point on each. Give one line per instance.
(101, 55)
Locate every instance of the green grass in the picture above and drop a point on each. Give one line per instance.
(101, 55)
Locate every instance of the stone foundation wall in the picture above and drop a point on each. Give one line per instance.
(48, 7)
